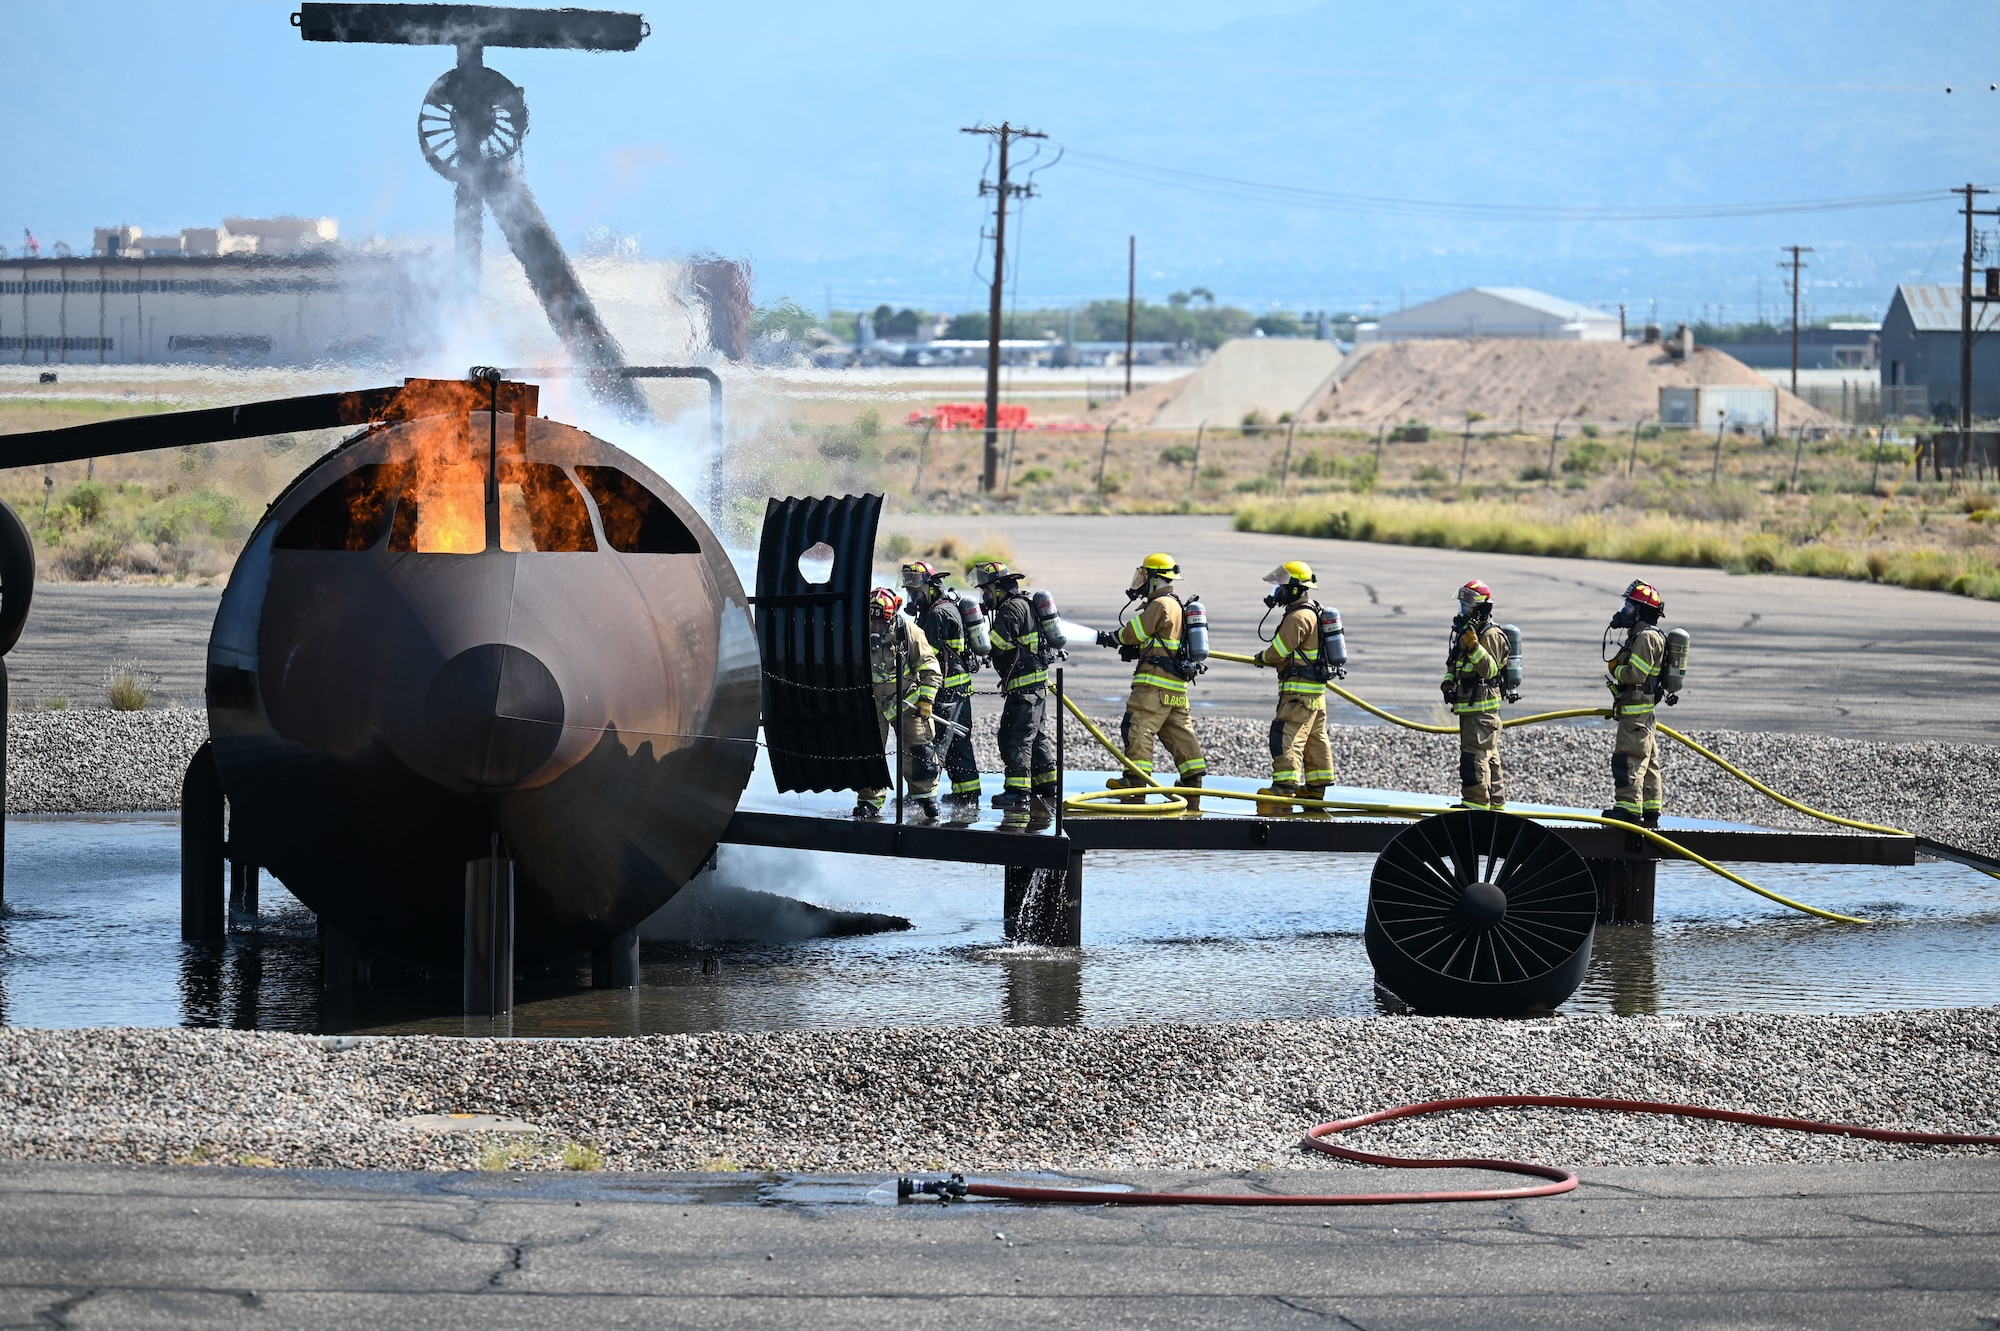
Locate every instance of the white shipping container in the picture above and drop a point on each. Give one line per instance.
(1736, 406)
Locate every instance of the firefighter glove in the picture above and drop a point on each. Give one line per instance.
(924, 708)
(1107, 638)
(1468, 640)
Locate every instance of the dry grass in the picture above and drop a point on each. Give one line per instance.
(1653, 538)
(126, 692)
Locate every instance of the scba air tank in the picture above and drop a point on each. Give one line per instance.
(1049, 620)
(1673, 674)
(973, 615)
(1510, 673)
(1332, 639)
(1194, 631)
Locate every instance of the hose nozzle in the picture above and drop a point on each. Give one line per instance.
(945, 1190)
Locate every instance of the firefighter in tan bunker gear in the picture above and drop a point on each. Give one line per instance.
(1472, 689)
(1301, 761)
(1158, 705)
(898, 652)
(1634, 671)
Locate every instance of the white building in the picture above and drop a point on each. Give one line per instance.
(236, 309)
(1497, 312)
(283, 291)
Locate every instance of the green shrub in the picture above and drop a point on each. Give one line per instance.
(88, 500)
(1036, 476)
(1179, 455)
(1586, 458)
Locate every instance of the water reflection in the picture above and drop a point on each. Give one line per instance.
(92, 938)
(1044, 986)
(1623, 976)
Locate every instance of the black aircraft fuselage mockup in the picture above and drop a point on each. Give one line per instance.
(469, 628)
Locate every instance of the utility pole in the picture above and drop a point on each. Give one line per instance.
(1796, 264)
(1005, 135)
(1131, 302)
(1965, 320)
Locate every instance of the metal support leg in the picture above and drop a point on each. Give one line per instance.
(489, 935)
(4, 704)
(1044, 907)
(1624, 890)
(242, 892)
(615, 964)
(344, 966)
(203, 903)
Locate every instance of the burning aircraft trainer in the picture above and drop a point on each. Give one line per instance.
(468, 633)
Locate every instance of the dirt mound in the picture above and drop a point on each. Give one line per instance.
(1530, 383)
(1136, 412)
(1267, 375)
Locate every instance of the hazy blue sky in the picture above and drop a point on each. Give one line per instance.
(819, 140)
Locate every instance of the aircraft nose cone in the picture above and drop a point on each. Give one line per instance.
(495, 713)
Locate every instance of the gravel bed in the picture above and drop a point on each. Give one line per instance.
(1148, 1097)
(1933, 789)
(103, 762)
(100, 761)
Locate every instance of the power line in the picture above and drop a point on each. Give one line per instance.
(1797, 263)
(1389, 205)
(1003, 136)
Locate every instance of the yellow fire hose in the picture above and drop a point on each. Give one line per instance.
(1173, 799)
(1664, 729)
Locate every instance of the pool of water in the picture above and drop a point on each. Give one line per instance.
(91, 937)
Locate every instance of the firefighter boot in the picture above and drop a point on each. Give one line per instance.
(1311, 811)
(1129, 781)
(1193, 801)
(1282, 805)
(1651, 819)
(1624, 816)
(928, 807)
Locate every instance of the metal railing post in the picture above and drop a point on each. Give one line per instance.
(1060, 727)
(897, 648)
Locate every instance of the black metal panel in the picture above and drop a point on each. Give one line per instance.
(819, 707)
(477, 25)
(17, 577)
(1355, 836)
(136, 434)
(958, 845)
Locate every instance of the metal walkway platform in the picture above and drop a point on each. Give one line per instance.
(1623, 864)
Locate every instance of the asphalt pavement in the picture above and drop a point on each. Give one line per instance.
(79, 633)
(1775, 653)
(1892, 1245)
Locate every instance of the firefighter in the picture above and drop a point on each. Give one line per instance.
(1472, 689)
(937, 614)
(1301, 762)
(1158, 706)
(898, 653)
(1634, 671)
(1021, 657)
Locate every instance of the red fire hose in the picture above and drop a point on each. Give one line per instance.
(1560, 1180)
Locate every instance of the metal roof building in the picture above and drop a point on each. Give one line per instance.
(1920, 349)
(1498, 312)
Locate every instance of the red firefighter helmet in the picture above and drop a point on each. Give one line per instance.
(1475, 593)
(1644, 593)
(884, 604)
